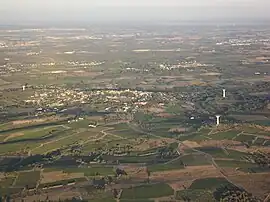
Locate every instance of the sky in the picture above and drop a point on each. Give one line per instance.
(23, 11)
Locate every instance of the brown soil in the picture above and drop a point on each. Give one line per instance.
(54, 176)
(19, 122)
(13, 136)
(189, 173)
(257, 184)
(152, 143)
(191, 144)
(53, 195)
(180, 185)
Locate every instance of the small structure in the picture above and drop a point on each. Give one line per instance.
(224, 93)
(218, 119)
(23, 87)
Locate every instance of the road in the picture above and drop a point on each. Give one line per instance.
(208, 156)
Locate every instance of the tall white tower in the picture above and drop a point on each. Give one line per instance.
(218, 119)
(224, 93)
(23, 88)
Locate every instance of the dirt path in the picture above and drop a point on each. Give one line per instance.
(49, 142)
(211, 159)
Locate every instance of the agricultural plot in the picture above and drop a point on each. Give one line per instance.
(209, 183)
(36, 134)
(222, 153)
(147, 191)
(245, 138)
(62, 182)
(242, 165)
(136, 200)
(16, 148)
(10, 191)
(8, 162)
(199, 195)
(175, 165)
(228, 135)
(28, 179)
(126, 133)
(134, 159)
(195, 160)
(7, 182)
(92, 171)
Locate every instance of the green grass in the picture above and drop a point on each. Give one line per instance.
(243, 165)
(175, 165)
(87, 171)
(137, 200)
(233, 154)
(147, 191)
(10, 191)
(8, 148)
(62, 182)
(38, 133)
(213, 151)
(29, 179)
(194, 160)
(209, 183)
(79, 124)
(259, 141)
(196, 195)
(126, 133)
(220, 153)
(103, 200)
(228, 135)
(245, 138)
(7, 182)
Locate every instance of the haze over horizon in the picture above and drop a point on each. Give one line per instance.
(37, 11)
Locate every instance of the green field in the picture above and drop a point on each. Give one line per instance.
(147, 191)
(198, 195)
(39, 133)
(136, 200)
(222, 153)
(194, 160)
(93, 171)
(242, 165)
(175, 165)
(10, 191)
(62, 182)
(245, 138)
(209, 183)
(28, 179)
(228, 135)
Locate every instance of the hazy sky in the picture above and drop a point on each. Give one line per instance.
(125, 10)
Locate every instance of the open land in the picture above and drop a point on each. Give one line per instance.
(129, 113)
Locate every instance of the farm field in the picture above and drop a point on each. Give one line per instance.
(134, 112)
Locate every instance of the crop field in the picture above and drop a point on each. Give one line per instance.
(194, 160)
(200, 195)
(28, 179)
(209, 183)
(228, 135)
(147, 191)
(7, 182)
(242, 165)
(91, 171)
(62, 182)
(175, 165)
(10, 191)
(245, 138)
(136, 200)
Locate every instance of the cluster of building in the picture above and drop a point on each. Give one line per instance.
(57, 97)
(108, 100)
(186, 64)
